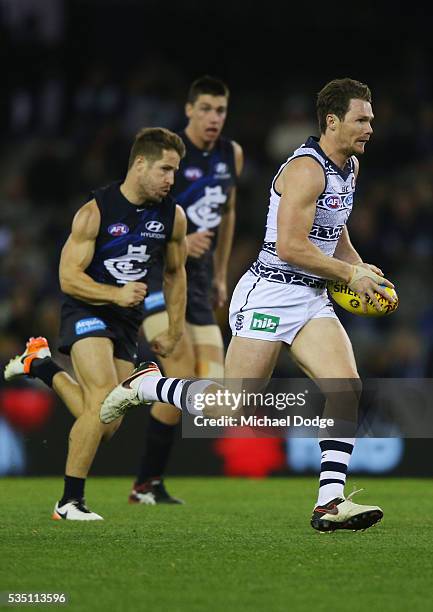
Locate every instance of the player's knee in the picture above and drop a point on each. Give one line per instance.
(209, 350)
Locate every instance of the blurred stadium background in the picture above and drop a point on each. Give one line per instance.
(83, 76)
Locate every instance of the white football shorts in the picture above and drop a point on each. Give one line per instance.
(267, 310)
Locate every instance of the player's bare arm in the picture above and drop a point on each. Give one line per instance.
(300, 184)
(345, 251)
(76, 256)
(174, 287)
(225, 236)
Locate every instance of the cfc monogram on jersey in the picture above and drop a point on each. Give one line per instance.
(132, 266)
(206, 212)
(204, 182)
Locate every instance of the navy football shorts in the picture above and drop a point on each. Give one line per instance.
(80, 320)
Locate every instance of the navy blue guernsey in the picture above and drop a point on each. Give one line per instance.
(131, 238)
(202, 187)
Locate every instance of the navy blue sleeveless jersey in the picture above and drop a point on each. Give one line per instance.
(131, 238)
(203, 184)
(202, 187)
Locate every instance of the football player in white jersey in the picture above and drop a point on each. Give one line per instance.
(308, 211)
(282, 299)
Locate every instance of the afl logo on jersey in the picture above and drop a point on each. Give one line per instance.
(333, 202)
(192, 173)
(154, 226)
(118, 229)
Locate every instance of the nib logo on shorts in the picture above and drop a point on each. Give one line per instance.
(264, 322)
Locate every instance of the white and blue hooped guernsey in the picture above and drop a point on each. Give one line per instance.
(333, 208)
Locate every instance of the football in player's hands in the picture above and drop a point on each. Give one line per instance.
(351, 301)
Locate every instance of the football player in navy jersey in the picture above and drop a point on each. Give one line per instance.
(116, 237)
(205, 187)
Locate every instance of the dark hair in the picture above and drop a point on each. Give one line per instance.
(335, 98)
(151, 142)
(207, 85)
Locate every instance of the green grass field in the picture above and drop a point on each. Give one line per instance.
(236, 545)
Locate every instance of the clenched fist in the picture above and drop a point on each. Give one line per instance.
(198, 243)
(131, 294)
(163, 344)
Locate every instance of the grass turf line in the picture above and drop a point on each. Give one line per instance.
(236, 544)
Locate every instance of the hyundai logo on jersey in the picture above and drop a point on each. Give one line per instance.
(333, 201)
(118, 229)
(192, 173)
(154, 226)
(221, 168)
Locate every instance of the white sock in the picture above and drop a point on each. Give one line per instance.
(183, 393)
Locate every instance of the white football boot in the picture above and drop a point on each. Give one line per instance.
(74, 510)
(125, 395)
(36, 348)
(342, 513)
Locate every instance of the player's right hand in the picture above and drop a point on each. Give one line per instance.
(131, 294)
(366, 283)
(164, 343)
(198, 243)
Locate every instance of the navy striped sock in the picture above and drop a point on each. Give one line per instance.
(333, 469)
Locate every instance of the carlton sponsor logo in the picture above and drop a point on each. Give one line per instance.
(333, 202)
(192, 173)
(154, 226)
(118, 229)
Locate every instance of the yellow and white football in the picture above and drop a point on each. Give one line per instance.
(350, 301)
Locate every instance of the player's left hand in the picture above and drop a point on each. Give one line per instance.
(372, 267)
(163, 344)
(219, 293)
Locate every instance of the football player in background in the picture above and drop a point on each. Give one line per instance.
(116, 236)
(205, 187)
